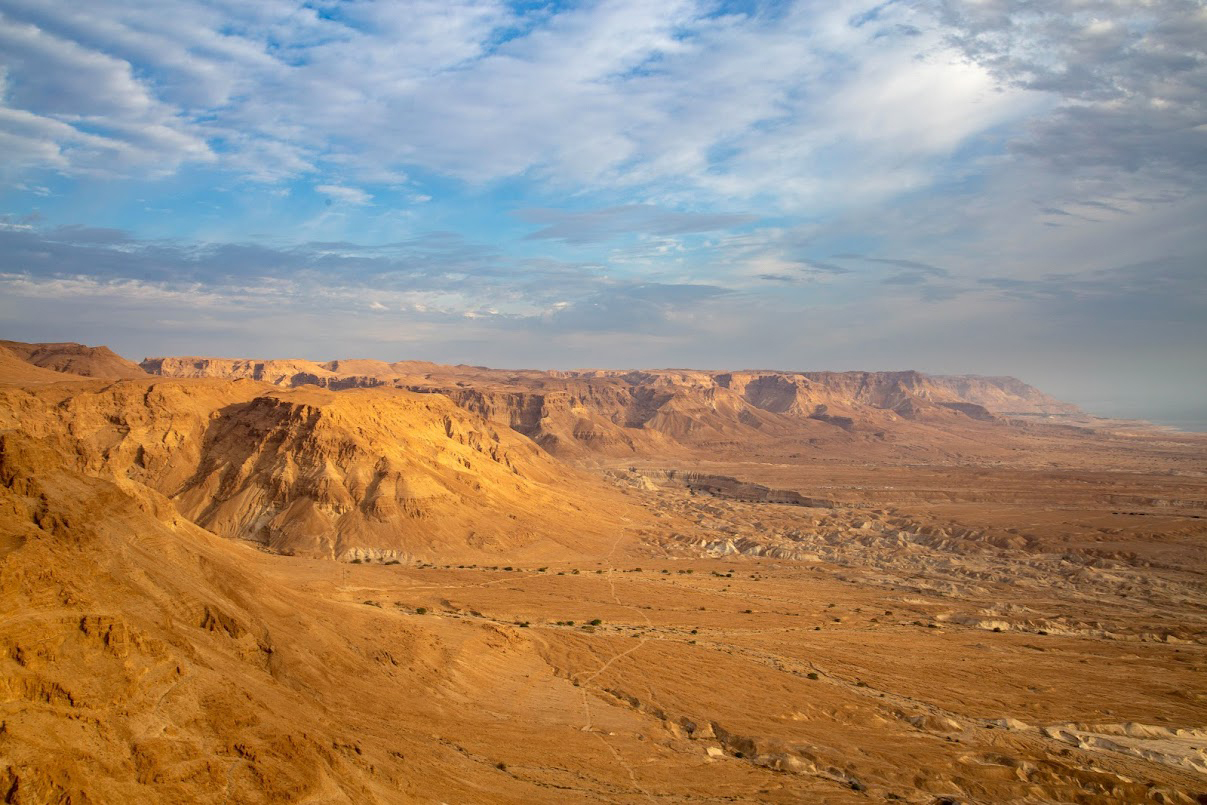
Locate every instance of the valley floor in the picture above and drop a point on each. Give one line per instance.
(898, 660)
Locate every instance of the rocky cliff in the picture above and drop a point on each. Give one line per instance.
(379, 474)
(618, 413)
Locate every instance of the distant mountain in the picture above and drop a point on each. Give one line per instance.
(618, 412)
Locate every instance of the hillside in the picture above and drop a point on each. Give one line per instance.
(75, 359)
(386, 474)
(15, 369)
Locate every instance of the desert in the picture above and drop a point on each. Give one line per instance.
(253, 581)
(461, 402)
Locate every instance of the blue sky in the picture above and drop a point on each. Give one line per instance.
(989, 186)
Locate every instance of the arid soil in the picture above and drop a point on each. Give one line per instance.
(639, 587)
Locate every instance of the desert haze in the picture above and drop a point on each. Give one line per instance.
(254, 581)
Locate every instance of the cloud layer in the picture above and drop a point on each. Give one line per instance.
(677, 96)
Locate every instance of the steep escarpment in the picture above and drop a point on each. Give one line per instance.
(279, 373)
(383, 475)
(617, 413)
(371, 474)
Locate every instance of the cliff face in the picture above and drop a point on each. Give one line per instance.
(278, 373)
(615, 413)
(384, 474)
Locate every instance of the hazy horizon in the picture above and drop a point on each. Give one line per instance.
(951, 186)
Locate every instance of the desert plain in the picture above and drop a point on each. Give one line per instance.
(266, 581)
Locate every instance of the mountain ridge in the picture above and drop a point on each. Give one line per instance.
(614, 413)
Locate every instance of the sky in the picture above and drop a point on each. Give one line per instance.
(955, 186)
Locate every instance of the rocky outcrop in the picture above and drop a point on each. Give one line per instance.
(359, 474)
(723, 486)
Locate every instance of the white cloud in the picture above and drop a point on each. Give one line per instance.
(804, 105)
(346, 195)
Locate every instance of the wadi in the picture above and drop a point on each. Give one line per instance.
(351, 581)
